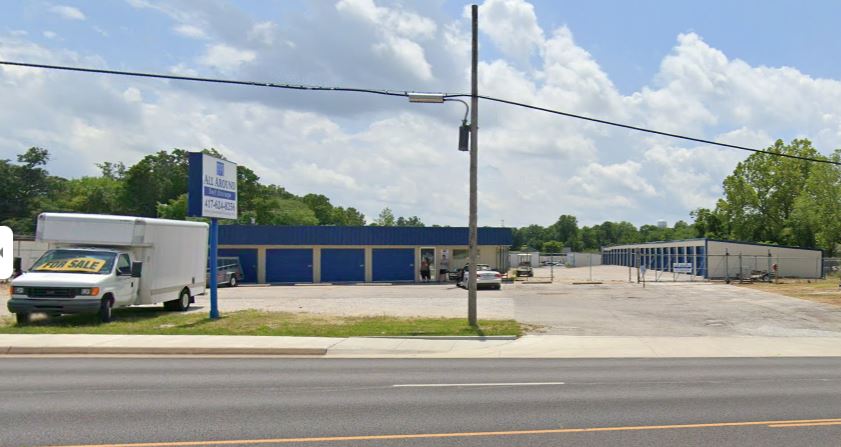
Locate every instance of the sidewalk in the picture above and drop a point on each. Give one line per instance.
(530, 346)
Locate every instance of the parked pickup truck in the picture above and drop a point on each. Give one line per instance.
(97, 262)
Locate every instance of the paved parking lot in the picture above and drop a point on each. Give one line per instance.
(614, 307)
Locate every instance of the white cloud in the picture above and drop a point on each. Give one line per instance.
(263, 32)
(226, 58)
(132, 94)
(407, 53)
(67, 12)
(190, 31)
(50, 34)
(399, 35)
(372, 152)
(512, 26)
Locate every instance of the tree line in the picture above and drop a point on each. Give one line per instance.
(156, 186)
(766, 199)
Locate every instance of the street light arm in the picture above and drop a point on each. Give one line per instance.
(466, 108)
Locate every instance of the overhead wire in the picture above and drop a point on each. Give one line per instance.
(211, 80)
(406, 94)
(651, 131)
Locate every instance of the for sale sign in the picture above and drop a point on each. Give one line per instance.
(212, 188)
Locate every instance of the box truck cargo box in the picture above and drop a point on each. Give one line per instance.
(98, 262)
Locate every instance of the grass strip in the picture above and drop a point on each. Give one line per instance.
(155, 321)
(825, 291)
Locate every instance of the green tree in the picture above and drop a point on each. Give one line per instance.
(277, 211)
(413, 221)
(759, 195)
(157, 178)
(708, 223)
(816, 219)
(93, 195)
(321, 206)
(552, 247)
(174, 209)
(348, 217)
(25, 188)
(385, 218)
(565, 229)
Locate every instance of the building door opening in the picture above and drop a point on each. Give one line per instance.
(428, 254)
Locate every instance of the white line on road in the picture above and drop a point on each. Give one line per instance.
(442, 385)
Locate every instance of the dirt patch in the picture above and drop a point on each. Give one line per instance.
(825, 291)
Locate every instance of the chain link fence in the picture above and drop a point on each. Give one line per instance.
(832, 267)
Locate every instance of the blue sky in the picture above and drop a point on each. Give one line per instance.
(744, 72)
(629, 39)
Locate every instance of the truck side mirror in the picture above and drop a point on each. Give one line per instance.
(136, 269)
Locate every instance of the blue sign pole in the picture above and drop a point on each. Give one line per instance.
(214, 261)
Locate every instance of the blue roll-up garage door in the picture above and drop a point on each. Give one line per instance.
(288, 265)
(393, 264)
(247, 260)
(342, 264)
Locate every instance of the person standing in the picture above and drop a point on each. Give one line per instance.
(424, 270)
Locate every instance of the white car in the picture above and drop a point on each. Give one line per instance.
(485, 277)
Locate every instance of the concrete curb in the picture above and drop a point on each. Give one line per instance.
(143, 350)
(443, 337)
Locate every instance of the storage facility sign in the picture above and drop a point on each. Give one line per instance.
(682, 267)
(212, 190)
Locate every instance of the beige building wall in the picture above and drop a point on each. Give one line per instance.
(729, 259)
(488, 254)
(733, 258)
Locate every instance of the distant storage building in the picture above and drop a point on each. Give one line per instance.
(717, 259)
(287, 254)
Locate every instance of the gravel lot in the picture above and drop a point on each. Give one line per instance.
(614, 307)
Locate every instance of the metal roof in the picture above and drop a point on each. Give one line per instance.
(330, 235)
(704, 239)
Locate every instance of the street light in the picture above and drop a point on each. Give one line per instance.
(466, 133)
(426, 97)
(464, 139)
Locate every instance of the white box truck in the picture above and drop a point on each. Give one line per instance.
(98, 262)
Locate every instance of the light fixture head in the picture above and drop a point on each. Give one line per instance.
(426, 97)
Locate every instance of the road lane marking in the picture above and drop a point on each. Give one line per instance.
(458, 435)
(808, 424)
(444, 385)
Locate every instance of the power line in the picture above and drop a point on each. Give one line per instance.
(211, 80)
(406, 94)
(656, 132)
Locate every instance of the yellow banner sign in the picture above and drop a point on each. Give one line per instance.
(91, 265)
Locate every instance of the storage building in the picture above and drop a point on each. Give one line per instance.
(718, 259)
(293, 254)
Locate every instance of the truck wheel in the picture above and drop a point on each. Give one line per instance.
(23, 317)
(181, 304)
(233, 281)
(105, 308)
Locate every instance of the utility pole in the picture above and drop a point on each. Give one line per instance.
(474, 158)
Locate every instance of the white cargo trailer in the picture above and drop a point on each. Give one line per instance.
(98, 262)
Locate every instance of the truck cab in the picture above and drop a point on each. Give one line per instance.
(76, 280)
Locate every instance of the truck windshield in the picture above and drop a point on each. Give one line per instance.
(75, 261)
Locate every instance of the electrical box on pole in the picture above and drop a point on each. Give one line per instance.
(464, 138)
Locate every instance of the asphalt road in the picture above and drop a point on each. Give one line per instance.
(633, 402)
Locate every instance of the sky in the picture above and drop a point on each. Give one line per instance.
(744, 73)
